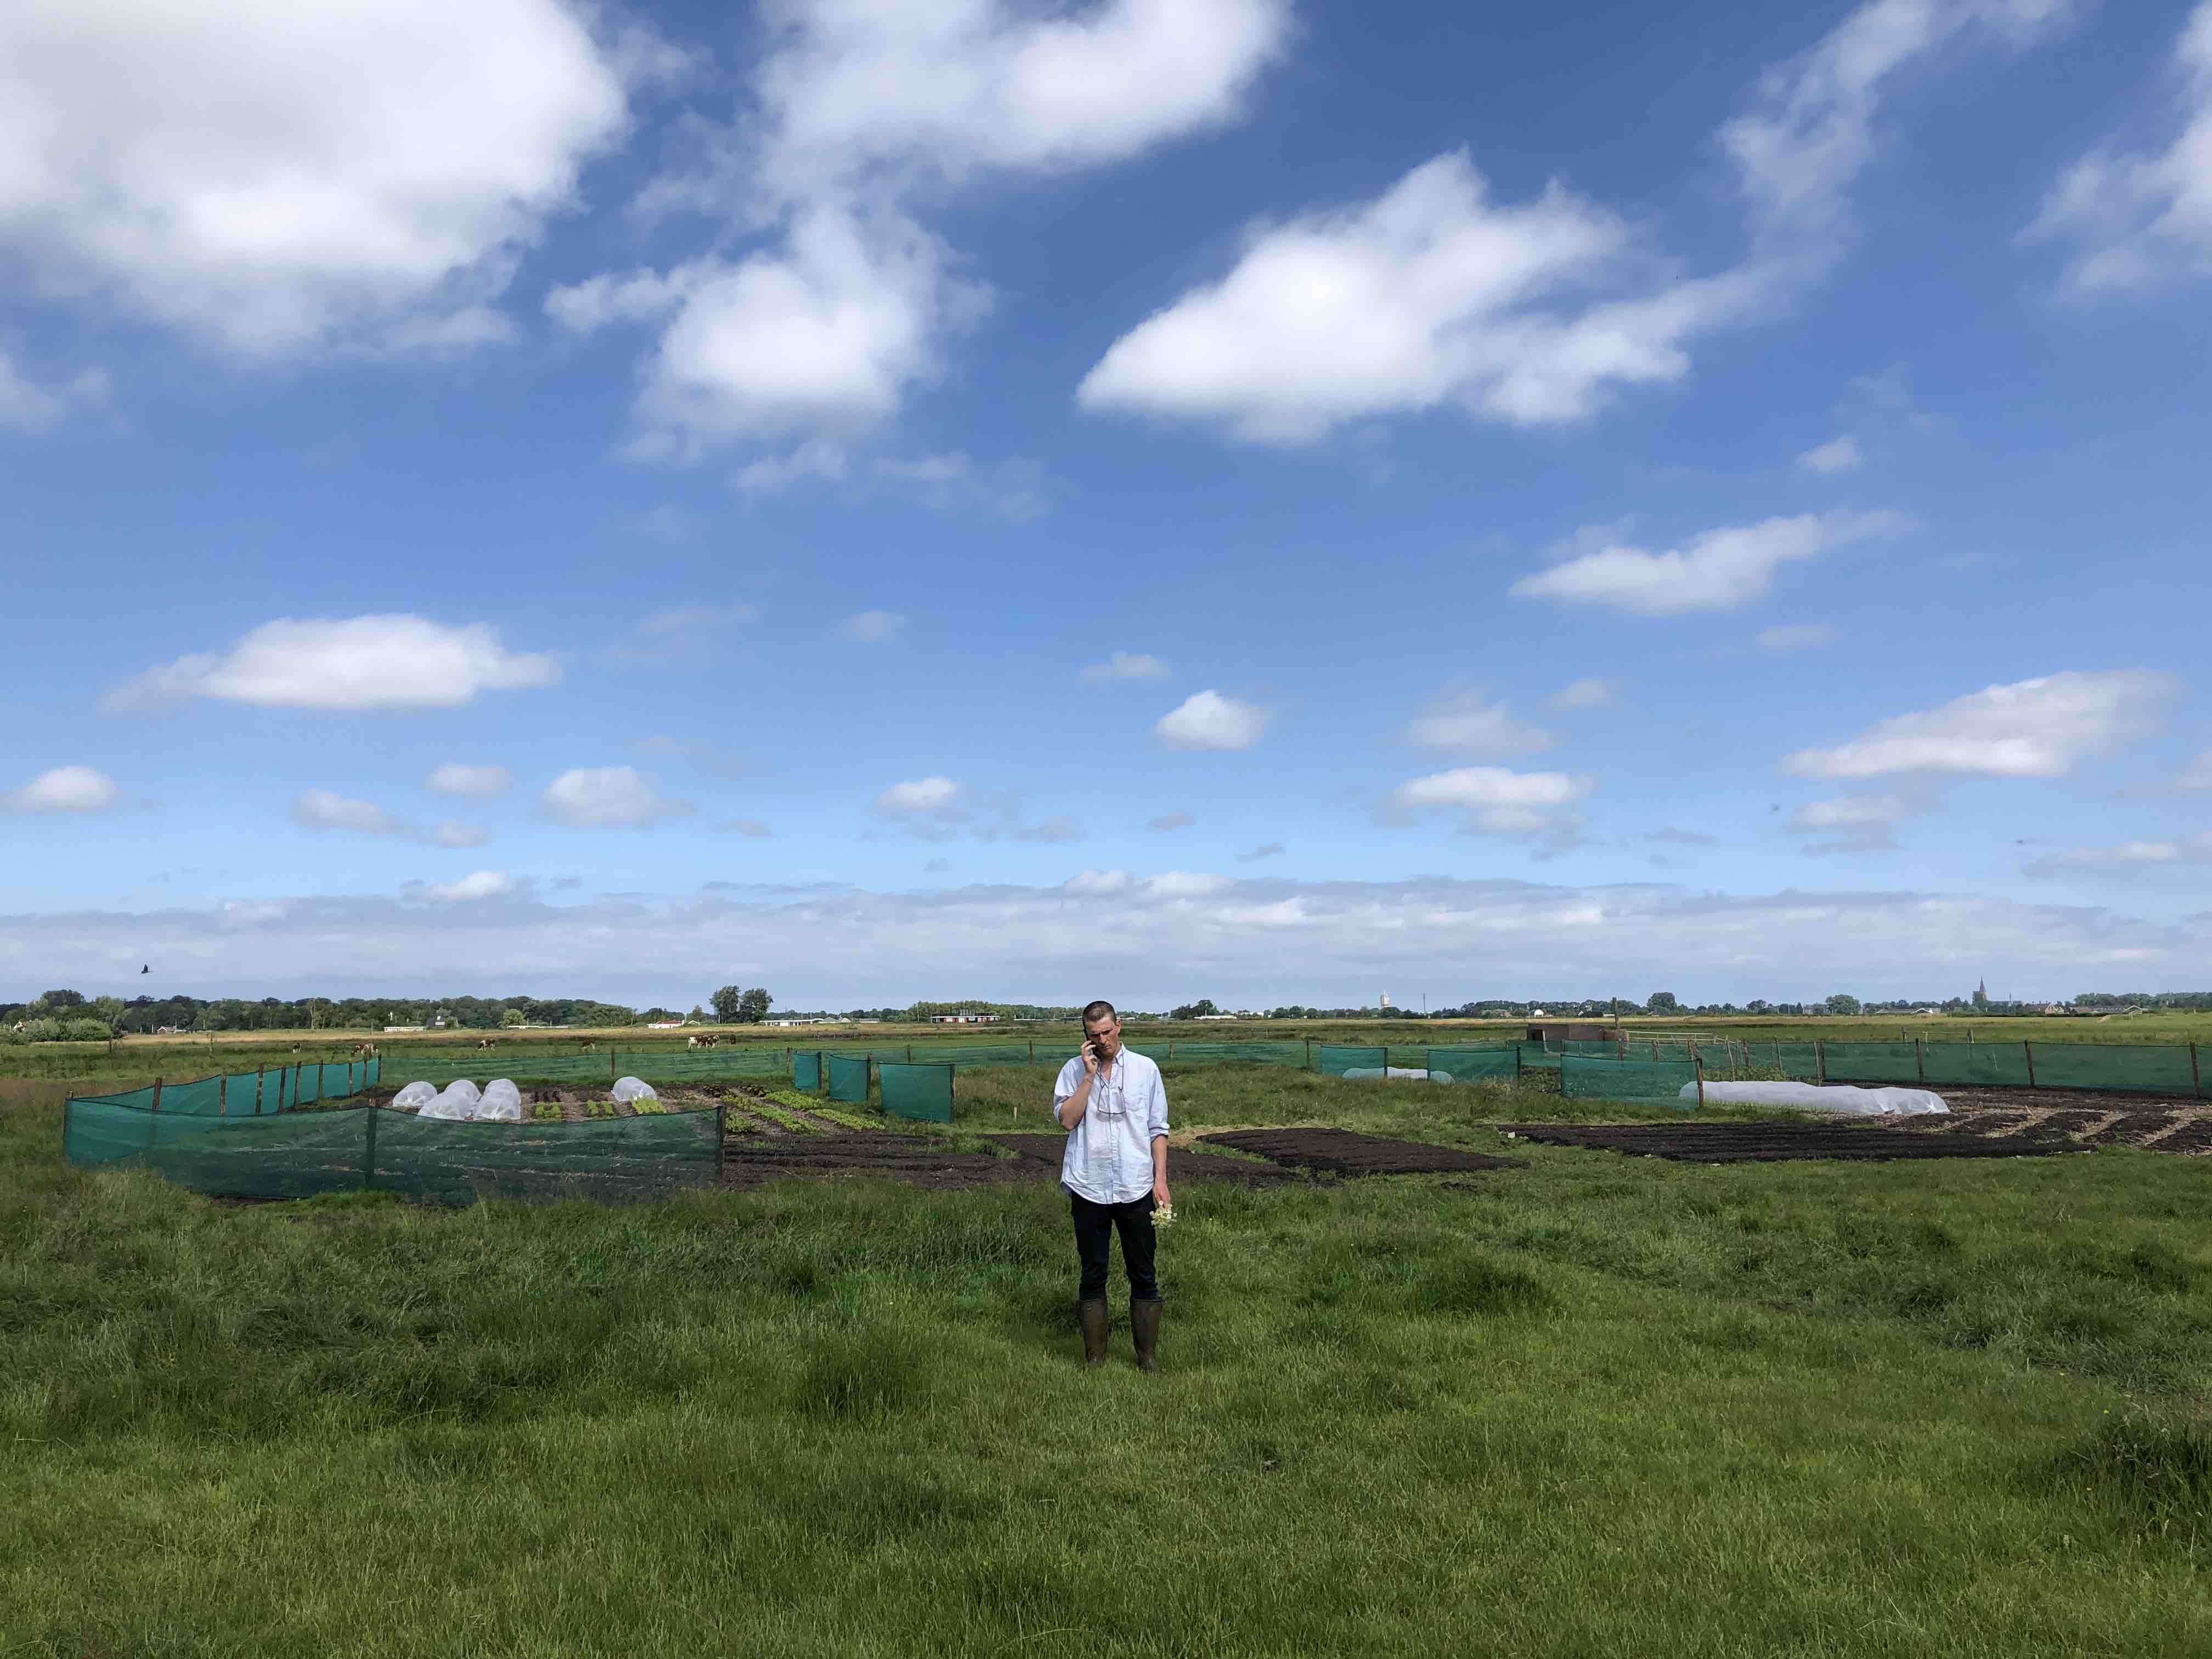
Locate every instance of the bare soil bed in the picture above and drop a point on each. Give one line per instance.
(1184, 1164)
(1777, 1143)
(1344, 1152)
(2086, 1119)
(854, 1155)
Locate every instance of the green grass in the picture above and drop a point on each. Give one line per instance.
(1594, 1406)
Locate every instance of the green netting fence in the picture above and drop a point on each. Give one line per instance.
(1593, 1076)
(251, 1094)
(301, 1154)
(442, 1066)
(2151, 1068)
(918, 1091)
(806, 1070)
(1334, 1059)
(1473, 1065)
(848, 1077)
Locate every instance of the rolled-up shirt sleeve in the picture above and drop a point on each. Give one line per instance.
(1158, 1116)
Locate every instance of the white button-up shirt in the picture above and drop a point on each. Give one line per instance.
(1108, 1159)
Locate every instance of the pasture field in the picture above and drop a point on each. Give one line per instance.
(1592, 1406)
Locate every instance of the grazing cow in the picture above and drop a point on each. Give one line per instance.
(485, 1042)
(589, 1045)
(701, 1041)
(364, 1050)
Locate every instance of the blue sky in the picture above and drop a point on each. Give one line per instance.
(1279, 501)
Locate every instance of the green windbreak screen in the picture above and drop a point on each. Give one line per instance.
(806, 1070)
(1254, 1052)
(849, 1079)
(1472, 1065)
(1587, 1077)
(1336, 1058)
(249, 1094)
(298, 1155)
(2138, 1068)
(918, 1091)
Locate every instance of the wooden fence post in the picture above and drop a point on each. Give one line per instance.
(259, 1079)
(2028, 1048)
(2195, 1082)
(153, 1123)
(1700, 1066)
(368, 1158)
(222, 1095)
(1820, 1060)
(1920, 1060)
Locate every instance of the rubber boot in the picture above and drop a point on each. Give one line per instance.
(1144, 1326)
(1092, 1314)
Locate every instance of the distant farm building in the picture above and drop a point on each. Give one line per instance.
(963, 1019)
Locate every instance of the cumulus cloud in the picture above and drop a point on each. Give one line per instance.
(938, 809)
(1432, 294)
(2128, 854)
(861, 113)
(1787, 638)
(353, 662)
(478, 884)
(1282, 940)
(932, 794)
(2036, 728)
(1272, 849)
(1123, 667)
(324, 809)
(1721, 570)
(1583, 693)
(1207, 719)
(1097, 881)
(457, 778)
(1838, 455)
(607, 798)
(1183, 885)
(1857, 823)
(1470, 726)
(1491, 801)
(2142, 217)
(1166, 821)
(452, 832)
(870, 627)
(63, 789)
(368, 168)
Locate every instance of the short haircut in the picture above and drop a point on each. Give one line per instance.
(1095, 1011)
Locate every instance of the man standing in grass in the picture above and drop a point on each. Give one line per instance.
(1112, 1103)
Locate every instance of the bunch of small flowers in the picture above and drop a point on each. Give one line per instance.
(1164, 1216)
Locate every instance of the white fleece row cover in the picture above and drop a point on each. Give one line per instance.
(460, 1101)
(1824, 1098)
(1398, 1070)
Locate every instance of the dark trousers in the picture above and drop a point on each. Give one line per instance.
(1094, 1227)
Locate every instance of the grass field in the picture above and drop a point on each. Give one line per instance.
(1592, 1406)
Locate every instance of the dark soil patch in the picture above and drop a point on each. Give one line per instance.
(1341, 1151)
(1775, 1143)
(1184, 1164)
(912, 1160)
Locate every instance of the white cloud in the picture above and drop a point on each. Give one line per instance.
(1207, 719)
(1272, 849)
(1097, 881)
(753, 829)
(451, 832)
(1124, 667)
(1059, 828)
(1282, 941)
(932, 794)
(455, 778)
(1178, 819)
(2197, 774)
(861, 111)
(1583, 693)
(1721, 570)
(278, 175)
(1836, 456)
(478, 884)
(606, 797)
(322, 809)
(1785, 639)
(63, 789)
(1494, 801)
(1813, 129)
(815, 461)
(2188, 849)
(27, 404)
(1183, 885)
(1857, 823)
(354, 663)
(1430, 295)
(2037, 728)
(2142, 218)
(1471, 726)
(870, 627)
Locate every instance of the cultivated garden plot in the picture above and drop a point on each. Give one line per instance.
(1777, 1143)
(1185, 1165)
(1343, 1152)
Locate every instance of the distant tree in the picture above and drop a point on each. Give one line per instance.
(728, 1001)
(1196, 1010)
(753, 1006)
(1840, 1004)
(511, 1019)
(59, 1002)
(697, 1016)
(1662, 1002)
